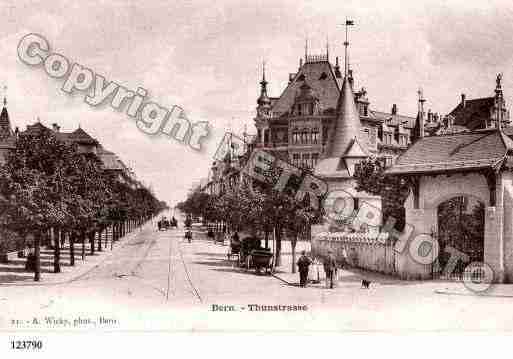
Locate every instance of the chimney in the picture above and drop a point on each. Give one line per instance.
(16, 131)
(463, 101)
(337, 69)
(394, 109)
(55, 127)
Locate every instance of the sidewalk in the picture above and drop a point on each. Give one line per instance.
(351, 278)
(14, 273)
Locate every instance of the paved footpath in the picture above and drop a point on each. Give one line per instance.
(158, 281)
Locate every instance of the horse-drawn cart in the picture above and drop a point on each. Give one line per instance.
(163, 224)
(252, 255)
(261, 259)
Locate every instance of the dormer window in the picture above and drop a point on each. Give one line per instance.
(301, 77)
(323, 76)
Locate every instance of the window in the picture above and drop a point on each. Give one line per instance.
(295, 159)
(301, 77)
(323, 76)
(295, 136)
(315, 158)
(304, 136)
(372, 136)
(305, 159)
(315, 135)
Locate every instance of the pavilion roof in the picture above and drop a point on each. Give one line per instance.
(455, 152)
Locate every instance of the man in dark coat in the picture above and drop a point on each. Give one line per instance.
(303, 263)
(330, 268)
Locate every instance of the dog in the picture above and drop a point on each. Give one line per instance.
(366, 283)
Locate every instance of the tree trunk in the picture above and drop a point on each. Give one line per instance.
(71, 248)
(278, 247)
(56, 250)
(37, 253)
(100, 240)
(82, 235)
(91, 241)
(293, 243)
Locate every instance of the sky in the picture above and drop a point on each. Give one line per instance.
(206, 57)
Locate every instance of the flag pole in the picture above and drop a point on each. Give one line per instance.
(346, 43)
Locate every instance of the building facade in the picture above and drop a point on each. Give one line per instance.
(85, 144)
(298, 126)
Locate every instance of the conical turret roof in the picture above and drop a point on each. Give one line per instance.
(347, 125)
(5, 123)
(345, 150)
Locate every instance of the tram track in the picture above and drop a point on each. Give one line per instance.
(189, 280)
(170, 272)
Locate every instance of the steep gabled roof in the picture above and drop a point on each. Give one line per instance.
(80, 136)
(36, 128)
(463, 151)
(356, 150)
(109, 159)
(473, 113)
(327, 90)
(5, 123)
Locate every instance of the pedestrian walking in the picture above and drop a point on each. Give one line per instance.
(344, 258)
(303, 263)
(330, 267)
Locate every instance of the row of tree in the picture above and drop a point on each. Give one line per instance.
(248, 206)
(253, 207)
(48, 186)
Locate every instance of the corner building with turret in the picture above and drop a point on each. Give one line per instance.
(305, 121)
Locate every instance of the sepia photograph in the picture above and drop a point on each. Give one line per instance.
(299, 167)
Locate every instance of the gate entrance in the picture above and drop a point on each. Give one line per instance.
(460, 226)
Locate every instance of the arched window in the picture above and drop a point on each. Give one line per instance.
(315, 135)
